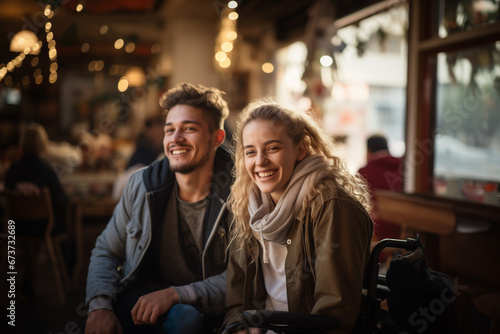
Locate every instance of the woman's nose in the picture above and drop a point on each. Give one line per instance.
(261, 159)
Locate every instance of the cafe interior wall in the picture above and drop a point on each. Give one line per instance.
(186, 32)
(85, 100)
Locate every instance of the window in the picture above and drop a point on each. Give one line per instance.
(467, 135)
(463, 15)
(454, 102)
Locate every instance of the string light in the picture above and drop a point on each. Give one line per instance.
(51, 44)
(326, 61)
(103, 30)
(220, 56)
(130, 47)
(267, 68)
(232, 16)
(31, 45)
(119, 43)
(227, 35)
(123, 84)
(85, 47)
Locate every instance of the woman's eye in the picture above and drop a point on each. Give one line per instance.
(249, 153)
(273, 148)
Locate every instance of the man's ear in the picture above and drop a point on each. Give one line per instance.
(220, 135)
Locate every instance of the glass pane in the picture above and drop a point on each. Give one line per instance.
(368, 85)
(458, 15)
(354, 78)
(467, 135)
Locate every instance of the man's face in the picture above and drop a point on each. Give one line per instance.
(188, 143)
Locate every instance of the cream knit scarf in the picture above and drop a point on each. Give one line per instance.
(271, 223)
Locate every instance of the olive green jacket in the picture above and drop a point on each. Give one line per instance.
(328, 250)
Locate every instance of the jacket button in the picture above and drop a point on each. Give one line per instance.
(289, 241)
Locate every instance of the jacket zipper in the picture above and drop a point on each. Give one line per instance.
(211, 236)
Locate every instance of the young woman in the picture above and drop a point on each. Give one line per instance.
(301, 234)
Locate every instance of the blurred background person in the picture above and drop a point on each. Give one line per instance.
(148, 148)
(382, 172)
(28, 175)
(33, 172)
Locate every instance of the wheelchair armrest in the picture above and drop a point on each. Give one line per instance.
(383, 292)
(289, 322)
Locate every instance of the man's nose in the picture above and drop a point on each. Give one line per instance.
(178, 136)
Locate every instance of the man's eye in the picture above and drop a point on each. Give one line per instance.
(169, 130)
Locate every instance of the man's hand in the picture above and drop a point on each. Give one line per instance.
(149, 307)
(102, 321)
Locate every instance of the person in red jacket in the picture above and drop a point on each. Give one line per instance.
(382, 172)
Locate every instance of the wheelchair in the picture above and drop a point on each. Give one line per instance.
(371, 321)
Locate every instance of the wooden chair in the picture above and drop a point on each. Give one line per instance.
(33, 208)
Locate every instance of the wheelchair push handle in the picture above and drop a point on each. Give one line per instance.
(409, 244)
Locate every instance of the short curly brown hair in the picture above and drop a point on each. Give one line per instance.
(207, 99)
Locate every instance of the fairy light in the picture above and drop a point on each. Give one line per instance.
(79, 6)
(34, 49)
(103, 30)
(130, 47)
(85, 47)
(119, 43)
(267, 68)
(52, 50)
(26, 81)
(227, 47)
(232, 16)
(220, 56)
(226, 38)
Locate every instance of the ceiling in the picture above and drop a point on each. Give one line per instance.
(289, 19)
(143, 22)
(138, 21)
(142, 17)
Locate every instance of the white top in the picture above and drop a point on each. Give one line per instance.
(275, 278)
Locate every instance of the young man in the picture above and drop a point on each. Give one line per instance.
(161, 260)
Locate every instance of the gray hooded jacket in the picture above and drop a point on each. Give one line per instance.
(121, 247)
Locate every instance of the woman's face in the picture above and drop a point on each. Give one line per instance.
(270, 155)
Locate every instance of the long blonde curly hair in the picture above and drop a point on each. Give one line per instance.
(298, 126)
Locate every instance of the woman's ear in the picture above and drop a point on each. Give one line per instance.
(302, 151)
(220, 135)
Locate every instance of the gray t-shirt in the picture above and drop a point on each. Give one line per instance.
(193, 215)
(181, 241)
